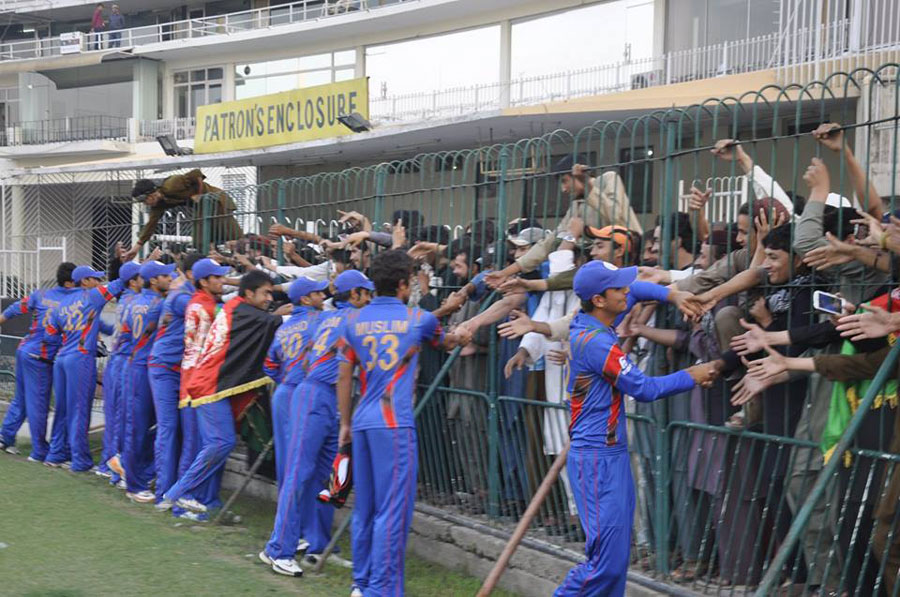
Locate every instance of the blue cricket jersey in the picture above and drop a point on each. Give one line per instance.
(77, 318)
(600, 376)
(168, 346)
(322, 358)
(124, 341)
(384, 339)
(285, 360)
(142, 319)
(38, 342)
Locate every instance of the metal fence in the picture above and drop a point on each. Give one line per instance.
(719, 508)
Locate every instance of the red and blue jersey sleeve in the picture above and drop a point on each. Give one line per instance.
(273, 360)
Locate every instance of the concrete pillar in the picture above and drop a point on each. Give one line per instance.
(145, 90)
(360, 70)
(228, 86)
(505, 62)
(659, 27)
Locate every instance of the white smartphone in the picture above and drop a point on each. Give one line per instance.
(828, 303)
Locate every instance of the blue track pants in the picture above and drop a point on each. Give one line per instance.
(137, 457)
(281, 426)
(74, 383)
(164, 384)
(112, 378)
(34, 380)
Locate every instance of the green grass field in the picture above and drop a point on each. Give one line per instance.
(66, 534)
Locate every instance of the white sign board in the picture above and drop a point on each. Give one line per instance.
(70, 43)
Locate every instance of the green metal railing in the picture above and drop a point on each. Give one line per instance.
(716, 506)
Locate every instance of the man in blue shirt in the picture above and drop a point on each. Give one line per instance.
(313, 438)
(34, 365)
(77, 320)
(164, 373)
(598, 465)
(113, 414)
(143, 319)
(285, 360)
(383, 341)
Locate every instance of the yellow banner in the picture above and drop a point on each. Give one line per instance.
(286, 117)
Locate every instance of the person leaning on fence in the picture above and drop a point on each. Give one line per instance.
(186, 189)
(599, 201)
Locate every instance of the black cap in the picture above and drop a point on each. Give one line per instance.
(564, 166)
(142, 188)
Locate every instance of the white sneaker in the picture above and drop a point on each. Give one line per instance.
(194, 516)
(302, 544)
(287, 566)
(164, 505)
(141, 497)
(121, 484)
(355, 591)
(190, 504)
(65, 465)
(102, 473)
(10, 450)
(32, 459)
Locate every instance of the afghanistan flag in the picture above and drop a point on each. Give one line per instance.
(846, 396)
(231, 363)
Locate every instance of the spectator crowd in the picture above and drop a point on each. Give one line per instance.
(197, 342)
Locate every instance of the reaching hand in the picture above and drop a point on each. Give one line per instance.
(130, 253)
(653, 274)
(699, 199)
(557, 357)
(769, 366)
(279, 230)
(463, 335)
(353, 217)
(284, 310)
(830, 135)
(836, 252)
(514, 286)
(704, 374)
(517, 326)
(154, 254)
(398, 235)
(517, 362)
(693, 307)
(728, 150)
(748, 388)
(751, 341)
(874, 322)
(454, 301)
(345, 434)
(817, 177)
(495, 279)
(875, 229)
(762, 223)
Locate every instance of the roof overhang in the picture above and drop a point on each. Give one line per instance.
(48, 64)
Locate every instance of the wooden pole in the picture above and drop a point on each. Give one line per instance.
(345, 524)
(540, 495)
(234, 496)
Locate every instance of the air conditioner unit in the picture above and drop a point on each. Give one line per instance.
(648, 79)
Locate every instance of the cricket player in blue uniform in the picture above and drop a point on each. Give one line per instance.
(143, 318)
(34, 365)
(598, 465)
(77, 320)
(113, 415)
(164, 373)
(314, 435)
(285, 360)
(383, 340)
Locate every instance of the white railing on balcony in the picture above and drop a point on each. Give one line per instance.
(225, 24)
(180, 128)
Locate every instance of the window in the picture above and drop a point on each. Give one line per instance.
(195, 88)
(263, 78)
(636, 170)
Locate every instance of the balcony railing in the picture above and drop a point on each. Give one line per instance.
(56, 130)
(217, 25)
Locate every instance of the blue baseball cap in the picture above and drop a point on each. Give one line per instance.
(129, 270)
(85, 271)
(151, 269)
(595, 277)
(303, 286)
(350, 279)
(207, 267)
